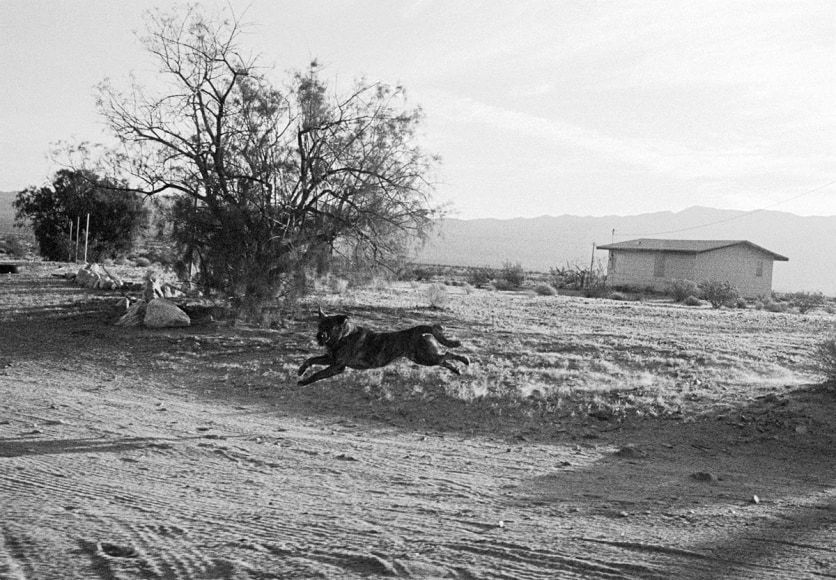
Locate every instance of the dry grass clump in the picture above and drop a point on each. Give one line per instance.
(692, 301)
(438, 296)
(545, 290)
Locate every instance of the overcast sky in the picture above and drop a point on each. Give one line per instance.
(537, 108)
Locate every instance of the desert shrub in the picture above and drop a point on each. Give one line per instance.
(142, 262)
(596, 290)
(504, 285)
(437, 296)
(741, 303)
(774, 306)
(14, 246)
(807, 301)
(719, 293)
(513, 274)
(479, 277)
(826, 357)
(545, 290)
(692, 301)
(617, 296)
(679, 290)
(419, 273)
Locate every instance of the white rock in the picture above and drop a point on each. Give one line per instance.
(160, 313)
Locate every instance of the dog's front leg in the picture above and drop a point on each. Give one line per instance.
(323, 374)
(324, 359)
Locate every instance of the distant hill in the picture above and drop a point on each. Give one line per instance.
(545, 242)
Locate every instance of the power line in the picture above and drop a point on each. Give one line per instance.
(737, 217)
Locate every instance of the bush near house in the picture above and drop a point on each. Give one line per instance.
(679, 290)
(692, 301)
(719, 293)
(806, 301)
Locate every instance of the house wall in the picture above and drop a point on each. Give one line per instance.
(639, 269)
(736, 264)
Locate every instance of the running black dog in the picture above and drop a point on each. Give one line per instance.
(356, 347)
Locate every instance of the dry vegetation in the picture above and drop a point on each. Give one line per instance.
(590, 438)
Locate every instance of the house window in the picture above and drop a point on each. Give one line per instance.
(659, 265)
(759, 269)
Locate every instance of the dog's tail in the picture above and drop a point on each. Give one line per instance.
(438, 333)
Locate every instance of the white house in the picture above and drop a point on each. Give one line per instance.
(653, 263)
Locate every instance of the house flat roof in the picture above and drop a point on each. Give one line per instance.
(684, 246)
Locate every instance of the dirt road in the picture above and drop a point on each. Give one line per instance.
(122, 455)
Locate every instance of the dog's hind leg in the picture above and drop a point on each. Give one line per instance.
(430, 354)
(438, 334)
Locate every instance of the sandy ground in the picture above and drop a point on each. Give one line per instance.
(126, 453)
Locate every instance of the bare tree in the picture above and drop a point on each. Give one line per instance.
(267, 181)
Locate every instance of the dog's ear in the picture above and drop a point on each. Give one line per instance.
(321, 313)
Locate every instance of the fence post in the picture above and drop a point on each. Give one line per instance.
(77, 236)
(591, 266)
(86, 235)
(70, 245)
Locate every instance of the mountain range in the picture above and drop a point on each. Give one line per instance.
(545, 242)
(541, 243)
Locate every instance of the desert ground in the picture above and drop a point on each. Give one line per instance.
(590, 438)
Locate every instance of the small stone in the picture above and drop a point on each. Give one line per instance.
(801, 429)
(704, 476)
(630, 452)
(756, 499)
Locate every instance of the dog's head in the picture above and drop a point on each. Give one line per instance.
(331, 328)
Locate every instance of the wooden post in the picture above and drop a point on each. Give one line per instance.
(591, 265)
(86, 235)
(70, 245)
(77, 236)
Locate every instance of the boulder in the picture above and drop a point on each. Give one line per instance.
(160, 313)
